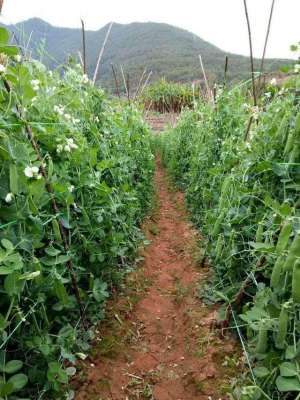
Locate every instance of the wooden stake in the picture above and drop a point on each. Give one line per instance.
(83, 46)
(116, 80)
(225, 70)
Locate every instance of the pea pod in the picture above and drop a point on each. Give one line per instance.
(283, 127)
(219, 246)
(259, 233)
(294, 153)
(262, 340)
(56, 230)
(296, 282)
(13, 178)
(283, 321)
(293, 254)
(289, 143)
(276, 272)
(297, 123)
(283, 237)
(60, 291)
(217, 225)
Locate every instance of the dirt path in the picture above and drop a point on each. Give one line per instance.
(158, 343)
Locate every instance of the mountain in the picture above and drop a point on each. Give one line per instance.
(166, 50)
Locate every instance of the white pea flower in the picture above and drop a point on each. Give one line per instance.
(68, 117)
(9, 197)
(75, 121)
(85, 78)
(18, 58)
(59, 148)
(71, 188)
(255, 112)
(32, 172)
(67, 148)
(59, 109)
(28, 172)
(2, 68)
(35, 84)
(273, 82)
(297, 68)
(71, 144)
(268, 95)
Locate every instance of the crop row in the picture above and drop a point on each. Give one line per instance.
(75, 182)
(239, 166)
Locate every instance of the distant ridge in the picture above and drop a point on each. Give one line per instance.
(168, 51)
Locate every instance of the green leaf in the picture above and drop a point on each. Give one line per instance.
(56, 373)
(9, 50)
(12, 366)
(7, 244)
(287, 384)
(12, 284)
(51, 251)
(6, 388)
(18, 381)
(288, 369)
(4, 36)
(30, 275)
(290, 352)
(261, 372)
(55, 260)
(100, 290)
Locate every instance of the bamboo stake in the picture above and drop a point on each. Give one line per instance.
(116, 80)
(101, 53)
(205, 78)
(83, 46)
(124, 81)
(225, 70)
(146, 82)
(266, 42)
(251, 52)
(139, 84)
(128, 87)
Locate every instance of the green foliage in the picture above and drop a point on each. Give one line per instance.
(164, 96)
(91, 178)
(243, 193)
(165, 50)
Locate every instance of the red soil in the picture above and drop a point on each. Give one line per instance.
(171, 352)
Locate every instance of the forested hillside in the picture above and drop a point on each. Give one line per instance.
(166, 50)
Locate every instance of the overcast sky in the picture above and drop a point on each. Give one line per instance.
(221, 22)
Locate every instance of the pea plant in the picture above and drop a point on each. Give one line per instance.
(75, 183)
(242, 188)
(164, 96)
